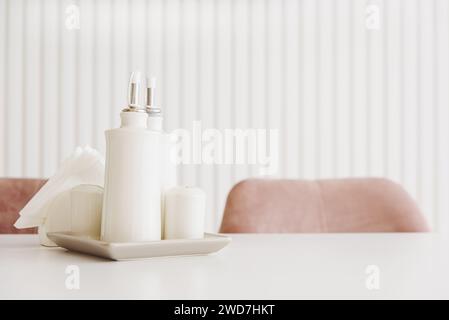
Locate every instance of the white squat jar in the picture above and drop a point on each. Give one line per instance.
(185, 209)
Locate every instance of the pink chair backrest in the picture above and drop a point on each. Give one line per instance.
(14, 195)
(340, 205)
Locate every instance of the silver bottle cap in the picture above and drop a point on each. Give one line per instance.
(135, 83)
(151, 107)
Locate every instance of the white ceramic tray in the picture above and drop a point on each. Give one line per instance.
(138, 250)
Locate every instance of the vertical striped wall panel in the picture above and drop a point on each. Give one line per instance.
(355, 87)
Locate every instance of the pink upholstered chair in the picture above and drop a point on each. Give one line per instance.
(14, 195)
(340, 205)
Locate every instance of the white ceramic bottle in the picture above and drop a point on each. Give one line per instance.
(132, 191)
(169, 176)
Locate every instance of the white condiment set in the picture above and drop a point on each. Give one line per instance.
(139, 175)
(140, 180)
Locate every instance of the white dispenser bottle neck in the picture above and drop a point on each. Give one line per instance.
(133, 119)
(155, 122)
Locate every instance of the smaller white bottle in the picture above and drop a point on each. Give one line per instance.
(132, 191)
(169, 176)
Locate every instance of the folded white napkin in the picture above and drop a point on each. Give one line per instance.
(84, 166)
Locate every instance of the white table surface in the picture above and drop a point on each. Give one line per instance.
(266, 266)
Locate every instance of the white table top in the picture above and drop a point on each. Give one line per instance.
(252, 267)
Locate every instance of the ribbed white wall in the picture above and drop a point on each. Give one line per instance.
(348, 101)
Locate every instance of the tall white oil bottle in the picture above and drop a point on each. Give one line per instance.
(132, 189)
(169, 176)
